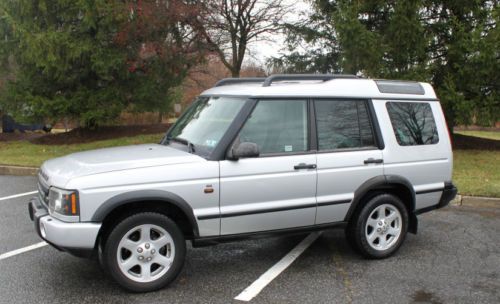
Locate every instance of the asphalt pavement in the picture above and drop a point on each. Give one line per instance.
(455, 258)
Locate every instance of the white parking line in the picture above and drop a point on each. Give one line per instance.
(12, 253)
(256, 287)
(17, 195)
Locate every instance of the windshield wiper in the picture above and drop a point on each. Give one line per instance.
(190, 145)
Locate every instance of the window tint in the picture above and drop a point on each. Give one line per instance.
(277, 126)
(343, 124)
(413, 123)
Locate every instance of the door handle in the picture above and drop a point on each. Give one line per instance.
(304, 166)
(373, 161)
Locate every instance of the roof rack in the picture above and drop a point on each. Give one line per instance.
(266, 82)
(228, 81)
(269, 80)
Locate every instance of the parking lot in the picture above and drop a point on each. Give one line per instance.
(455, 258)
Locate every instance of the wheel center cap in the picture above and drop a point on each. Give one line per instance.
(383, 226)
(145, 252)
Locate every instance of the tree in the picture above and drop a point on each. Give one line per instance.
(229, 26)
(67, 64)
(89, 60)
(373, 38)
(454, 44)
(465, 58)
(162, 46)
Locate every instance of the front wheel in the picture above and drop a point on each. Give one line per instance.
(145, 252)
(380, 227)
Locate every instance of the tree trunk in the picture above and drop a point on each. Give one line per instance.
(160, 117)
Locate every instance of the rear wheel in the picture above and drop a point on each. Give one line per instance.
(380, 227)
(144, 252)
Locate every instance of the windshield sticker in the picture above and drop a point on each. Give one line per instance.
(288, 148)
(211, 142)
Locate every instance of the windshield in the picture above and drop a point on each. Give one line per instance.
(205, 122)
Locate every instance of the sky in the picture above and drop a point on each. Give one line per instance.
(260, 51)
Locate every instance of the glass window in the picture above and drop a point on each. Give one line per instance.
(277, 126)
(204, 124)
(413, 123)
(343, 124)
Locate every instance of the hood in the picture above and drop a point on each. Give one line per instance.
(60, 170)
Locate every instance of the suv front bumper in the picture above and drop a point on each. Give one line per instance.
(75, 238)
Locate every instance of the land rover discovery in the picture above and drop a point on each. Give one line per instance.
(250, 157)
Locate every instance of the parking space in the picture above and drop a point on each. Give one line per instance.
(10, 185)
(455, 258)
(15, 226)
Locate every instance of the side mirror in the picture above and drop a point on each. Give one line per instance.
(244, 150)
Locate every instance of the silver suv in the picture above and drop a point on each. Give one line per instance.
(249, 157)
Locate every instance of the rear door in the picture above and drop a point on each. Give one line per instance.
(420, 147)
(348, 154)
(278, 189)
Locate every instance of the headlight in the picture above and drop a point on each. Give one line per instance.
(64, 202)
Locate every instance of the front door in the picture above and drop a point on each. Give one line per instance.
(276, 190)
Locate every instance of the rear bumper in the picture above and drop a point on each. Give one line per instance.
(449, 193)
(76, 238)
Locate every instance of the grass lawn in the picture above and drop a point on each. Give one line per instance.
(483, 134)
(24, 153)
(476, 172)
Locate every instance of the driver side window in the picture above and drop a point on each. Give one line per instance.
(277, 126)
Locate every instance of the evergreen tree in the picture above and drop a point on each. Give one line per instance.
(453, 44)
(89, 60)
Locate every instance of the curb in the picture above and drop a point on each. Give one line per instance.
(476, 201)
(17, 170)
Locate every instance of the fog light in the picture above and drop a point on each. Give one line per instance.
(42, 230)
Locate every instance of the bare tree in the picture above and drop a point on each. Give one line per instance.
(230, 25)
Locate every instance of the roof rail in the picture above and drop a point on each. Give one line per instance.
(269, 80)
(229, 81)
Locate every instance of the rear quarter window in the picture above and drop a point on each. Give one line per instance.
(413, 123)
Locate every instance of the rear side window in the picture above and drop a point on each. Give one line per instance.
(343, 124)
(413, 123)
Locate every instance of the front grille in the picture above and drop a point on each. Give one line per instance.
(43, 175)
(43, 191)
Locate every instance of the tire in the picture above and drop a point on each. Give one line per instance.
(140, 261)
(379, 228)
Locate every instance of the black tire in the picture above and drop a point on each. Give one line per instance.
(355, 231)
(109, 254)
